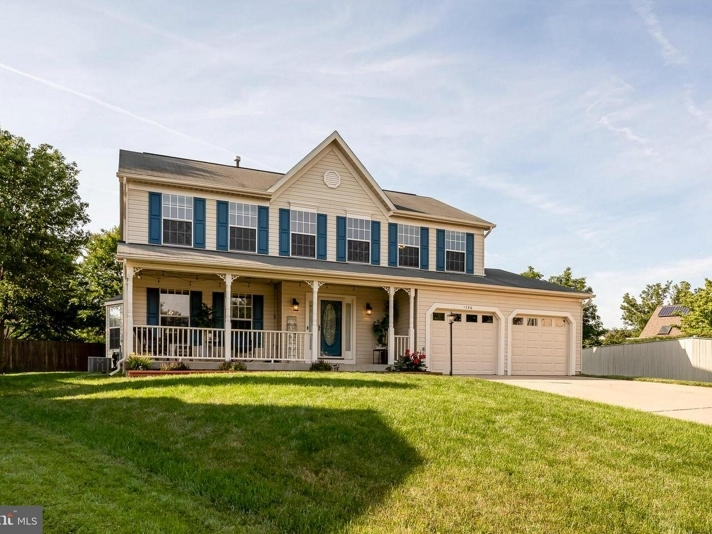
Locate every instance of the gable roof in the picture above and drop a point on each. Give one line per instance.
(230, 178)
(664, 316)
(336, 139)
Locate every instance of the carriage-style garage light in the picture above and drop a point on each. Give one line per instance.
(295, 305)
(369, 309)
(450, 319)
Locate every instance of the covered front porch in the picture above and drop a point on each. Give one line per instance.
(205, 318)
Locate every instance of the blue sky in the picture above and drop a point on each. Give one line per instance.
(582, 128)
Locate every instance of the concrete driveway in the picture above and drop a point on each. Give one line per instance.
(692, 403)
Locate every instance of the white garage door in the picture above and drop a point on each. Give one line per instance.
(474, 344)
(539, 346)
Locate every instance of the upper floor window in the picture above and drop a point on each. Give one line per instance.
(358, 234)
(177, 220)
(175, 307)
(303, 233)
(408, 245)
(243, 227)
(454, 251)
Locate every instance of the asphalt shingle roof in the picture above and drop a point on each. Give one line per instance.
(204, 174)
(493, 277)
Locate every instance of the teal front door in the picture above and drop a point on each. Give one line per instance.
(331, 328)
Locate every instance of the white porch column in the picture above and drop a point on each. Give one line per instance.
(391, 329)
(128, 310)
(316, 352)
(227, 317)
(411, 328)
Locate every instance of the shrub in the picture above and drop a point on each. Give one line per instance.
(138, 363)
(410, 362)
(232, 366)
(321, 365)
(175, 366)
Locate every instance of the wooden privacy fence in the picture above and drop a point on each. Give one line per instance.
(23, 355)
(679, 359)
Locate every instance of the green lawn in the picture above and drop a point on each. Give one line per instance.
(338, 452)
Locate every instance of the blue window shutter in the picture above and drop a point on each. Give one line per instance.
(262, 230)
(440, 250)
(283, 232)
(375, 243)
(340, 238)
(154, 218)
(470, 253)
(219, 309)
(424, 248)
(392, 245)
(153, 303)
(320, 236)
(258, 314)
(198, 222)
(196, 304)
(222, 219)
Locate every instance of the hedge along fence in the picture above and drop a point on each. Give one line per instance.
(678, 359)
(21, 355)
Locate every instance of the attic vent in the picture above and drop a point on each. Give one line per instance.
(332, 179)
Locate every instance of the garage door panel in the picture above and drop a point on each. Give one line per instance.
(538, 349)
(474, 347)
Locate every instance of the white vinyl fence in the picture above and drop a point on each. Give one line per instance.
(679, 359)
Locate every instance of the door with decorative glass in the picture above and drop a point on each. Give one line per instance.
(331, 338)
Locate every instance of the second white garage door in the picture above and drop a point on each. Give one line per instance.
(474, 344)
(539, 346)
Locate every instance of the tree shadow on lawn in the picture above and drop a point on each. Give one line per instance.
(289, 468)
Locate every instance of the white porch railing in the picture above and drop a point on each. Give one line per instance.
(179, 342)
(401, 345)
(269, 345)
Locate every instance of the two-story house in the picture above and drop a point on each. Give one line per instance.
(225, 262)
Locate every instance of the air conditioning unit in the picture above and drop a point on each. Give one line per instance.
(99, 364)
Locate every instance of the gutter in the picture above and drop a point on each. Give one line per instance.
(192, 185)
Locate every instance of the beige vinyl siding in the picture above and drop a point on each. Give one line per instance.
(137, 219)
(207, 287)
(402, 304)
(505, 302)
(138, 211)
(309, 191)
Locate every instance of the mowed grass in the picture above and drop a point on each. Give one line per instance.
(338, 452)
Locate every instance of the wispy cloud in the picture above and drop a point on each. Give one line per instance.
(109, 106)
(696, 112)
(671, 54)
(627, 132)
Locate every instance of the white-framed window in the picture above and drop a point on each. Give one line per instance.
(358, 240)
(303, 233)
(241, 311)
(113, 321)
(175, 307)
(177, 220)
(243, 227)
(408, 245)
(454, 251)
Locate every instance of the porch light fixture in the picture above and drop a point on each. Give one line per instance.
(369, 309)
(295, 305)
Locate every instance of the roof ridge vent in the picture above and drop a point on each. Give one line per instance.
(238, 159)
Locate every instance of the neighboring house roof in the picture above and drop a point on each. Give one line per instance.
(665, 321)
(265, 264)
(186, 172)
(117, 298)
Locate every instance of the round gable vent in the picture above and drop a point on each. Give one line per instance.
(332, 179)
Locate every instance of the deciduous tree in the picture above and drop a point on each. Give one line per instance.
(98, 279)
(637, 313)
(41, 234)
(698, 322)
